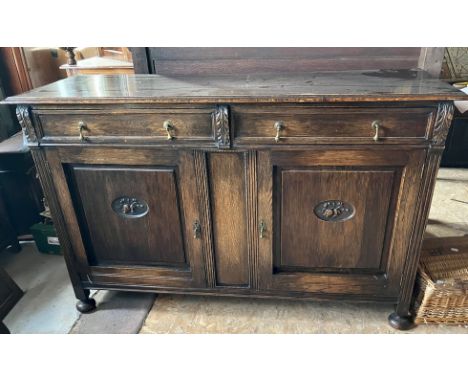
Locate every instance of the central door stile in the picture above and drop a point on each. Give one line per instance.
(252, 218)
(205, 216)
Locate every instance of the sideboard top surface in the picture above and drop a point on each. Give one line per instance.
(343, 86)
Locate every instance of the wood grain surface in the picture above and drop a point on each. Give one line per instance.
(226, 173)
(112, 236)
(306, 241)
(345, 86)
(232, 211)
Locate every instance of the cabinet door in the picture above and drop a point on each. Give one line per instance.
(336, 221)
(132, 215)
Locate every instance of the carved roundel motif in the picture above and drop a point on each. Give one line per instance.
(129, 207)
(334, 210)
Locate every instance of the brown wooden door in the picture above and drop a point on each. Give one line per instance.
(137, 215)
(329, 218)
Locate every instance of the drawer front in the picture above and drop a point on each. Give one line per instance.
(302, 125)
(160, 125)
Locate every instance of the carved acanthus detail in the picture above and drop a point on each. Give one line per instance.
(22, 113)
(221, 126)
(334, 210)
(442, 123)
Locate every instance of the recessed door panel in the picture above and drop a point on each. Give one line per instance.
(332, 219)
(132, 215)
(336, 221)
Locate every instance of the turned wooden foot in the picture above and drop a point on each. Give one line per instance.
(401, 322)
(86, 306)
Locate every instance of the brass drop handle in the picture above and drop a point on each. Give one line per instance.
(278, 126)
(168, 126)
(196, 229)
(376, 126)
(262, 229)
(82, 127)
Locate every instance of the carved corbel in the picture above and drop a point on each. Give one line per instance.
(24, 118)
(442, 123)
(221, 127)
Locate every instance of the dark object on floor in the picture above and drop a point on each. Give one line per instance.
(455, 70)
(442, 282)
(8, 236)
(45, 237)
(8, 123)
(456, 150)
(10, 293)
(21, 191)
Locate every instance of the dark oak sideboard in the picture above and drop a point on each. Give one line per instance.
(315, 185)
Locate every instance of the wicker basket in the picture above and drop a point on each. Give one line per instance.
(442, 283)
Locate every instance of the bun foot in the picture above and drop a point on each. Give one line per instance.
(86, 306)
(401, 322)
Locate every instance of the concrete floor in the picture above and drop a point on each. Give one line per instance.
(207, 314)
(449, 209)
(48, 305)
(116, 313)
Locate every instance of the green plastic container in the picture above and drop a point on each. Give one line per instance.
(46, 238)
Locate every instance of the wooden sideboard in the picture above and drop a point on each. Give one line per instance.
(313, 185)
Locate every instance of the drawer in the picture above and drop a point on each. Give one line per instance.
(305, 125)
(127, 125)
